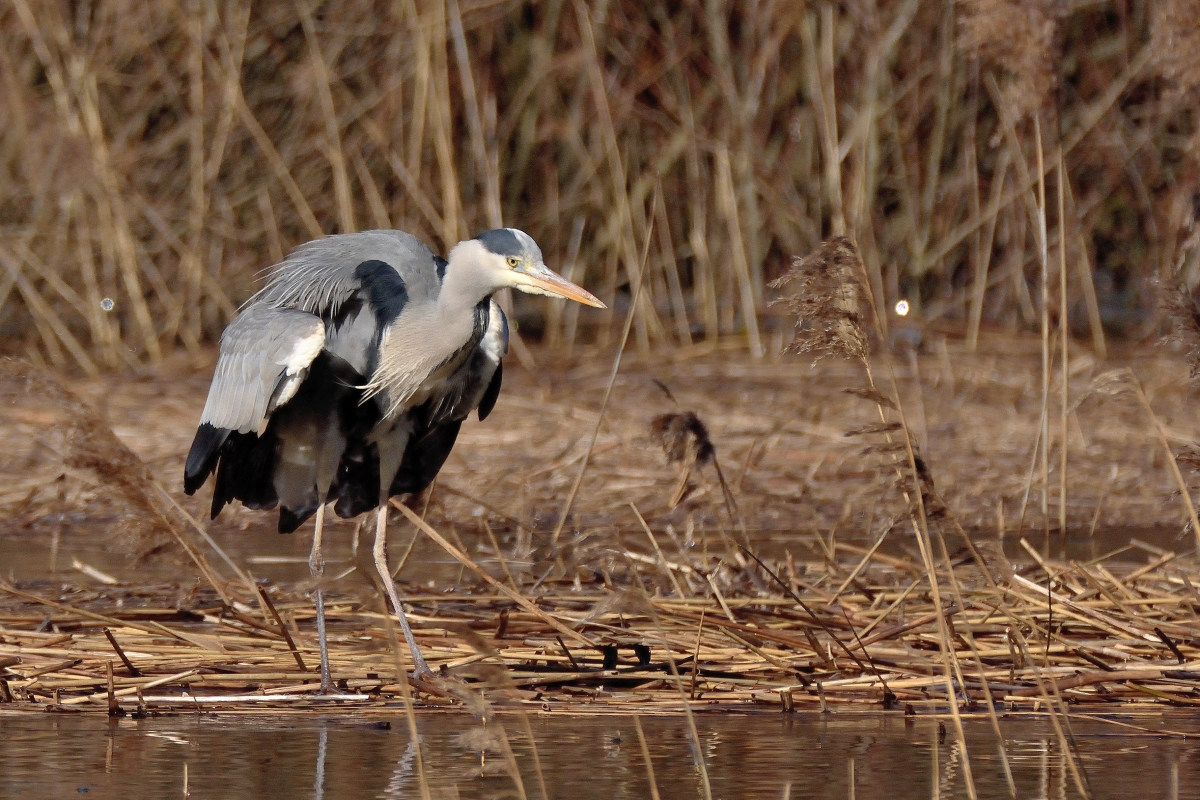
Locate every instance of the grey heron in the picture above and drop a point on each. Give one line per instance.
(345, 380)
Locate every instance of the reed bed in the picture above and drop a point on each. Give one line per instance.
(787, 579)
(855, 628)
(157, 155)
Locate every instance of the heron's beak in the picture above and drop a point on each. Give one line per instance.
(540, 279)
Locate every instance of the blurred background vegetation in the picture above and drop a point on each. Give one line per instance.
(154, 156)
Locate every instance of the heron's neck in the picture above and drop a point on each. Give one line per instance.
(415, 353)
(465, 284)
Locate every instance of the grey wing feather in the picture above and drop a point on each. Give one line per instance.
(265, 355)
(319, 276)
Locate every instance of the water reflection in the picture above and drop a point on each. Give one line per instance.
(402, 774)
(456, 755)
(322, 749)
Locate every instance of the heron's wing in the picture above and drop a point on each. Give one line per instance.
(265, 355)
(321, 276)
(358, 283)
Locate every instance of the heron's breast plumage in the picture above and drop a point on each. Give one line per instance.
(417, 354)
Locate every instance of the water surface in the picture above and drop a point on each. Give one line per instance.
(760, 755)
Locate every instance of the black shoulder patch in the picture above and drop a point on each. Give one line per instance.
(385, 290)
(441, 265)
(501, 241)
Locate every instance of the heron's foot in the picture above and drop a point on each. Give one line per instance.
(329, 688)
(423, 673)
(421, 670)
(425, 679)
(438, 684)
(327, 684)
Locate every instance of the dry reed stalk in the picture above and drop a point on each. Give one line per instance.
(333, 145)
(662, 560)
(1064, 345)
(467, 562)
(570, 500)
(1042, 447)
(771, 125)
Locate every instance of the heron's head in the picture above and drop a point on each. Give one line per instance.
(510, 258)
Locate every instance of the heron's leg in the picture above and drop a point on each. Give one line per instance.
(316, 567)
(420, 668)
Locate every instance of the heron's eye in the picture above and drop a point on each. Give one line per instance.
(512, 261)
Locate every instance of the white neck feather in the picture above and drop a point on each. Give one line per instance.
(467, 281)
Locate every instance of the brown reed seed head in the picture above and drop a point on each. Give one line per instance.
(1016, 37)
(684, 438)
(1183, 311)
(1175, 39)
(828, 300)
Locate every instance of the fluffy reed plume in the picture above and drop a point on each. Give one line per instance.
(1189, 458)
(931, 499)
(1175, 39)
(684, 438)
(887, 441)
(1183, 314)
(1016, 36)
(829, 301)
(686, 444)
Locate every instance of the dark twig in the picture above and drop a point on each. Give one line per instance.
(121, 654)
(283, 631)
